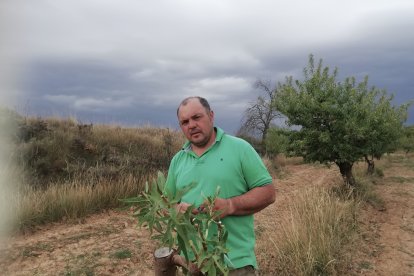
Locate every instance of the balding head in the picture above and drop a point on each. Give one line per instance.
(201, 100)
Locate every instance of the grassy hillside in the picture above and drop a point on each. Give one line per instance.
(61, 168)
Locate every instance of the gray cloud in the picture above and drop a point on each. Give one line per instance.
(132, 62)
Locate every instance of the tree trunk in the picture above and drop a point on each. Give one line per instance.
(371, 165)
(163, 262)
(166, 261)
(346, 171)
(263, 143)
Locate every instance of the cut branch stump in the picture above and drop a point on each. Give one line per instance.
(163, 262)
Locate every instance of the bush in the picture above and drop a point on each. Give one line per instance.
(276, 141)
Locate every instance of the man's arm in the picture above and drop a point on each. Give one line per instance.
(249, 203)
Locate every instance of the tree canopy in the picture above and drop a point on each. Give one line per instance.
(277, 141)
(338, 122)
(407, 140)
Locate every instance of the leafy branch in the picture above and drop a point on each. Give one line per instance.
(199, 236)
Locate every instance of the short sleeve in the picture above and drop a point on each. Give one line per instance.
(170, 183)
(254, 170)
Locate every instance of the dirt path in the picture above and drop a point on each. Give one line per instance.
(104, 244)
(389, 233)
(110, 243)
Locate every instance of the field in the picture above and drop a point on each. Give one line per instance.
(69, 221)
(110, 244)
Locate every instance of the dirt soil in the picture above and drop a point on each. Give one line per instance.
(388, 231)
(110, 243)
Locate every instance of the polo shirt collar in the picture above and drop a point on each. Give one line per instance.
(219, 136)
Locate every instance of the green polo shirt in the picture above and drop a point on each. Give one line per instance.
(233, 165)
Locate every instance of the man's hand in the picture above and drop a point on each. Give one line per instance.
(249, 203)
(223, 205)
(182, 207)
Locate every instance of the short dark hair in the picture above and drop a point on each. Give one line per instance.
(202, 101)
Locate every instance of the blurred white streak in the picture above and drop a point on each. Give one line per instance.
(11, 34)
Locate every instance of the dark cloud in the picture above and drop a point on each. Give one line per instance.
(102, 92)
(106, 93)
(132, 64)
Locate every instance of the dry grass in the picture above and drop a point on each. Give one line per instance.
(281, 160)
(312, 236)
(72, 200)
(62, 169)
(276, 165)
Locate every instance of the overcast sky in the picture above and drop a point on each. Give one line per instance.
(132, 62)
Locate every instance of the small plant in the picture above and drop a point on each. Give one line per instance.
(122, 254)
(365, 265)
(200, 237)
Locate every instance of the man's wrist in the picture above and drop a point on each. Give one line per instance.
(230, 206)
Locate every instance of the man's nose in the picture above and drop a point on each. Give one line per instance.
(192, 124)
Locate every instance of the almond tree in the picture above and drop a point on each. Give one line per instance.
(339, 122)
(384, 128)
(407, 140)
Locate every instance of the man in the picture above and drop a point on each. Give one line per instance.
(212, 158)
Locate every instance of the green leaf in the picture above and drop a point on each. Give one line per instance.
(207, 266)
(146, 187)
(182, 247)
(202, 257)
(157, 211)
(212, 271)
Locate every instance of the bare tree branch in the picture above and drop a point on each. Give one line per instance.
(259, 116)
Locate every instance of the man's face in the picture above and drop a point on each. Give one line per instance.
(196, 123)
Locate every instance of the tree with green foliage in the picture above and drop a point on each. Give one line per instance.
(277, 141)
(384, 123)
(340, 122)
(406, 142)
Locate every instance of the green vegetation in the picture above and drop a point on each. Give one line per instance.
(277, 141)
(407, 140)
(340, 122)
(200, 237)
(122, 254)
